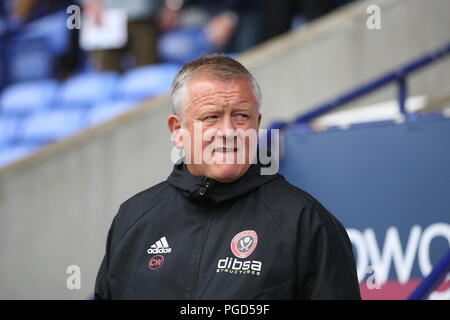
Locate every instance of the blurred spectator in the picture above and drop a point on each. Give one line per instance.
(23, 11)
(2, 44)
(142, 32)
(2, 18)
(230, 25)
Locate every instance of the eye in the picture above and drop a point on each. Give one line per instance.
(242, 116)
(210, 118)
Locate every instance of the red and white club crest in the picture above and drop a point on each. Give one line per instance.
(244, 243)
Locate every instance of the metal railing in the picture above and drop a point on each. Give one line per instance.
(430, 282)
(399, 76)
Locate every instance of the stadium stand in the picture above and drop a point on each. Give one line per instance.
(183, 45)
(32, 48)
(144, 82)
(86, 89)
(28, 96)
(46, 110)
(52, 125)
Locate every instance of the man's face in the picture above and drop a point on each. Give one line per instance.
(218, 109)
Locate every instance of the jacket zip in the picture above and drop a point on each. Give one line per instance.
(199, 259)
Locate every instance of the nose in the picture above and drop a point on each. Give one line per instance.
(225, 131)
(225, 128)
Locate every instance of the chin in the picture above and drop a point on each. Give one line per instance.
(228, 172)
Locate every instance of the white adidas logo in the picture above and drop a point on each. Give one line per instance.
(160, 246)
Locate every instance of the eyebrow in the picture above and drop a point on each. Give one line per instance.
(219, 109)
(242, 108)
(209, 110)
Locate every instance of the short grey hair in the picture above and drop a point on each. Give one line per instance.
(217, 66)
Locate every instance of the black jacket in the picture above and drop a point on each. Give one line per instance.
(258, 237)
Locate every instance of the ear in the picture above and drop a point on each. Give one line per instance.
(174, 124)
(259, 119)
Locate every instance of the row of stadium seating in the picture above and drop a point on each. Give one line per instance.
(34, 113)
(30, 51)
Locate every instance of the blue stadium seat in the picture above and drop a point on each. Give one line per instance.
(148, 81)
(8, 130)
(182, 45)
(53, 125)
(53, 28)
(86, 89)
(29, 59)
(14, 153)
(31, 51)
(25, 97)
(3, 74)
(108, 110)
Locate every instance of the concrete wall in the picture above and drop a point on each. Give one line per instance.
(56, 206)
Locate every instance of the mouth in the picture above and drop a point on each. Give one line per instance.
(225, 150)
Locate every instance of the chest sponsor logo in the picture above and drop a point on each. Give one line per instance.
(236, 266)
(242, 245)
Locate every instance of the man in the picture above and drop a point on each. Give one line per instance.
(142, 32)
(218, 228)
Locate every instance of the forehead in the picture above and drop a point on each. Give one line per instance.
(207, 90)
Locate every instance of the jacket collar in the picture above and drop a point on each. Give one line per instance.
(204, 189)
